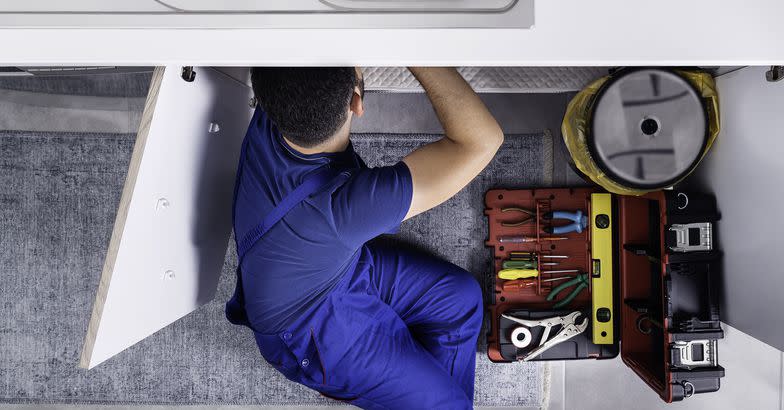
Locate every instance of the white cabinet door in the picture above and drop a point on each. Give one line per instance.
(745, 169)
(174, 220)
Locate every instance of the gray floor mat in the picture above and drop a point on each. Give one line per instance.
(57, 206)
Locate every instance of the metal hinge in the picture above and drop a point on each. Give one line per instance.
(776, 73)
(188, 74)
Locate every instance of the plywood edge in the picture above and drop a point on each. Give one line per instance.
(85, 361)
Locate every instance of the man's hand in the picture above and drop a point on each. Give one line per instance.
(472, 136)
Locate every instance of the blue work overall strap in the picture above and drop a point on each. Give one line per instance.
(309, 186)
(235, 307)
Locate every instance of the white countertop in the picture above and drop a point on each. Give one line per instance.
(566, 33)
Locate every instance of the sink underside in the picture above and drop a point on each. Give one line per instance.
(268, 14)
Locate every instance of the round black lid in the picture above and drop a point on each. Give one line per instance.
(649, 128)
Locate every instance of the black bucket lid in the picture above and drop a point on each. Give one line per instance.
(649, 128)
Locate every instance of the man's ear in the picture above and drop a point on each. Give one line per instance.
(357, 107)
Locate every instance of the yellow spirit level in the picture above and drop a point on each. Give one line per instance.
(602, 268)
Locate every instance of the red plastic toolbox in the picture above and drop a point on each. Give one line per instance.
(665, 300)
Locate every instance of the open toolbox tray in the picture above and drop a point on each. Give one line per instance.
(665, 317)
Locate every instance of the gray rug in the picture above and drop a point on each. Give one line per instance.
(58, 199)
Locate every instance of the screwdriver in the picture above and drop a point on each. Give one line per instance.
(524, 264)
(516, 285)
(529, 255)
(524, 239)
(513, 274)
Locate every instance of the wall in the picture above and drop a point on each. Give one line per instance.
(754, 380)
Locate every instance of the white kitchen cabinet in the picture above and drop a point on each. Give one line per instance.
(162, 259)
(741, 170)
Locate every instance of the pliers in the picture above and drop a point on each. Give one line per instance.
(569, 329)
(579, 222)
(581, 282)
(528, 219)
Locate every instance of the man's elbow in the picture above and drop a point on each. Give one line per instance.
(492, 141)
(486, 144)
(483, 143)
(498, 139)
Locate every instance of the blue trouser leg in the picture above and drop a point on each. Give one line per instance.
(398, 332)
(439, 302)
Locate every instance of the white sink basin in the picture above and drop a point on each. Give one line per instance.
(268, 13)
(345, 5)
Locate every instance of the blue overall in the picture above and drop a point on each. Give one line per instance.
(395, 329)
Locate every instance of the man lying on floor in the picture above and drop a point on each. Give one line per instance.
(373, 325)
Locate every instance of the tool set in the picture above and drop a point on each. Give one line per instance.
(577, 271)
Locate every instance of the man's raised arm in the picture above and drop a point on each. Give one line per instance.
(472, 136)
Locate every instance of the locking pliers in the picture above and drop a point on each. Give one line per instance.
(569, 329)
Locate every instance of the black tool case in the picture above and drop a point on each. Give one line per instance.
(666, 317)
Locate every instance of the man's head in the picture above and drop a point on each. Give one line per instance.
(309, 105)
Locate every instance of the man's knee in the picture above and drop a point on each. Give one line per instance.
(468, 294)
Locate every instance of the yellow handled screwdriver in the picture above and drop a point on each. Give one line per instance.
(514, 274)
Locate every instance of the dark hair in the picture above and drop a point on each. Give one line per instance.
(308, 104)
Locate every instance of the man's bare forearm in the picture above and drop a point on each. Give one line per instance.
(465, 118)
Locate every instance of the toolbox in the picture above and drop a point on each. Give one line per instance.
(598, 275)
